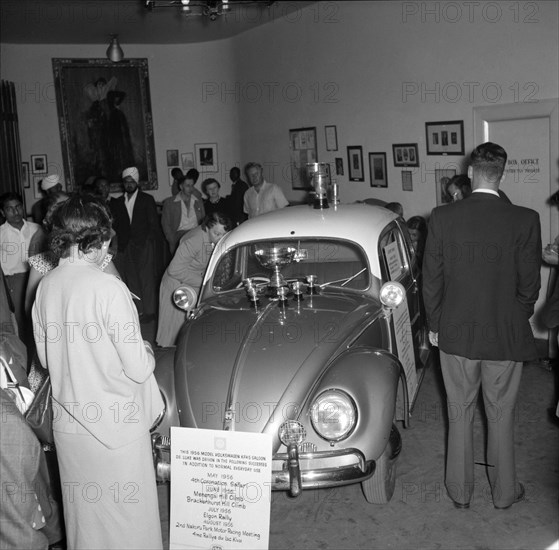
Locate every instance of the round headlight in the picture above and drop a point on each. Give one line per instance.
(185, 297)
(292, 432)
(333, 415)
(392, 294)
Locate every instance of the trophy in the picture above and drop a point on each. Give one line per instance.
(273, 258)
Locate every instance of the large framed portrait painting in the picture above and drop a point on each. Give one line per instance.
(104, 114)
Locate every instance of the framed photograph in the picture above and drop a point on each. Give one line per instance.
(355, 163)
(331, 138)
(405, 154)
(187, 161)
(377, 169)
(442, 177)
(302, 150)
(39, 164)
(25, 182)
(339, 166)
(206, 157)
(407, 184)
(37, 191)
(106, 125)
(172, 157)
(445, 138)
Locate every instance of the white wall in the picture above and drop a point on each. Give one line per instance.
(377, 70)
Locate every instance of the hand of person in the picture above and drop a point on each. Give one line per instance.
(434, 338)
(550, 254)
(148, 347)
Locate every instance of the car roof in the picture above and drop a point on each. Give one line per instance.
(359, 223)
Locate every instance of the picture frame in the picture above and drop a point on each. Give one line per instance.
(206, 157)
(105, 118)
(25, 181)
(339, 166)
(37, 191)
(442, 176)
(407, 182)
(405, 154)
(172, 157)
(187, 161)
(302, 151)
(331, 134)
(377, 170)
(355, 163)
(445, 138)
(39, 164)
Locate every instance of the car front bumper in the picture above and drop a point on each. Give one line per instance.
(295, 472)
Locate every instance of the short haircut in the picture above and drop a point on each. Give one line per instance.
(192, 174)
(10, 196)
(488, 160)
(217, 217)
(235, 172)
(253, 165)
(81, 220)
(207, 182)
(177, 173)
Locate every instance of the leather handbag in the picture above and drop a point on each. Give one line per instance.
(39, 414)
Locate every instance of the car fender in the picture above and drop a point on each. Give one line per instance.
(165, 376)
(370, 377)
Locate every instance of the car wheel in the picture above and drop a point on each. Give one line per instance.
(379, 488)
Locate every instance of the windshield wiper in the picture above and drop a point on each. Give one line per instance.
(346, 280)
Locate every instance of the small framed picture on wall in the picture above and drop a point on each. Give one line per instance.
(377, 169)
(38, 164)
(405, 154)
(355, 163)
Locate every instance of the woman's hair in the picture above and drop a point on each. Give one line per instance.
(217, 217)
(462, 181)
(207, 182)
(84, 221)
(419, 223)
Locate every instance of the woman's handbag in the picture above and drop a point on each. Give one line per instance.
(39, 414)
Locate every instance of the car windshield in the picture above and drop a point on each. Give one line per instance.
(334, 262)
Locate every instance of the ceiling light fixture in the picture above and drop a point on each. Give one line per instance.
(207, 8)
(114, 51)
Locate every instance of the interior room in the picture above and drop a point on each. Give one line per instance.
(373, 79)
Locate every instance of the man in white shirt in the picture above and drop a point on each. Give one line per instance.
(263, 196)
(19, 239)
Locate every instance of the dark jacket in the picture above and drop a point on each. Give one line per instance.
(481, 278)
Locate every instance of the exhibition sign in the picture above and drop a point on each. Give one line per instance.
(220, 489)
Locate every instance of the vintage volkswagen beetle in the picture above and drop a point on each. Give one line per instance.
(308, 326)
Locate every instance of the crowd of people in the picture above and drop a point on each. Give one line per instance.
(89, 261)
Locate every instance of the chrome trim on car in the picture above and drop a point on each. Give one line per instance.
(316, 478)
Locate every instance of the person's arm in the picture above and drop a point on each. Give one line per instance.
(528, 259)
(433, 276)
(279, 197)
(32, 284)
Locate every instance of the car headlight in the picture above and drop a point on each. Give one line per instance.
(333, 415)
(392, 294)
(185, 297)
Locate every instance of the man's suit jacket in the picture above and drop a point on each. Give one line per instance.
(145, 221)
(481, 277)
(171, 218)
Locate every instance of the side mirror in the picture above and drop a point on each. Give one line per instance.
(185, 298)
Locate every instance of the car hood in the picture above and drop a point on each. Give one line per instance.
(249, 369)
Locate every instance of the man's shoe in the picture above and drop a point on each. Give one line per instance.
(520, 496)
(461, 506)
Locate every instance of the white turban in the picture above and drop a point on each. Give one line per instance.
(132, 172)
(50, 181)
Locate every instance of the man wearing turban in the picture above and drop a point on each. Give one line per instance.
(136, 224)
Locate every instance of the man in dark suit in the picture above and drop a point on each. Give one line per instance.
(481, 279)
(136, 224)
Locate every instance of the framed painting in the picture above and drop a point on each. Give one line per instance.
(104, 113)
(442, 177)
(407, 184)
(355, 163)
(206, 157)
(187, 161)
(405, 154)
(339, 166)
(25, 182)
(377, 169)
(302, 149)
(331, 135)
(38, 164)
(445, 138)
(172, 157)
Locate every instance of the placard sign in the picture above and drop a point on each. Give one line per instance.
(404, 343)
(220, 489)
